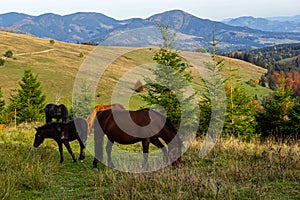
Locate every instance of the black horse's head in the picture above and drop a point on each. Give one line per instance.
(38, 138)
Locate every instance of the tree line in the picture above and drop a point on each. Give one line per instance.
(280, 60)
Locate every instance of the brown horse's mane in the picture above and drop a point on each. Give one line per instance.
(98, 108)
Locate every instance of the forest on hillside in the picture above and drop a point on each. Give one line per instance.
(281, 61)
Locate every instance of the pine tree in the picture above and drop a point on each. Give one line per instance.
(83, 102)
(240, 111)
(168, 89)
(2, 107)
(274, 120)
(213, 101)
(29, 101)
(294, 120)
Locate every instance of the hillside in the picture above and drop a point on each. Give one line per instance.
(57, 65)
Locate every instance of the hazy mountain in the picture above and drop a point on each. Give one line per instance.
(280, 24)
(192, 32)
(295, 18)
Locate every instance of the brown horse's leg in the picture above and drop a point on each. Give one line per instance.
(98, 145)
(66, 143)
(108, 152)
(145, 143)
(160, 145)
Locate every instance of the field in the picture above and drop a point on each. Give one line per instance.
(232, 170)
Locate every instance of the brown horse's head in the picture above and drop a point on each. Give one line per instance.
(174, 155)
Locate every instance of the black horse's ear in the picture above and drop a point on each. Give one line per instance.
(35, 128)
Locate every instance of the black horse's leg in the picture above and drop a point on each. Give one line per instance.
(66, 143)
(145, 143)
(108, 152)
(82, 150)
(48, 118)
(160, 145)
(60, 152)
(95, 168)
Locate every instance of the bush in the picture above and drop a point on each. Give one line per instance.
(8, 54)
(2, 61)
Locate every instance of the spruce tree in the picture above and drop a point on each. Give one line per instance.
(240, 111)
(274, 120)
(28, 102)
(82, 102)
(171, 79)
(213, 101)
(2, 107)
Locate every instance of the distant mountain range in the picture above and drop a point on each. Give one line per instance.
(274, 24)
(192, 32)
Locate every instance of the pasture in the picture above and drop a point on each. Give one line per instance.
(232, 170)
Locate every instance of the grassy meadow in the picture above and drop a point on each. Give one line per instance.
(232, 170)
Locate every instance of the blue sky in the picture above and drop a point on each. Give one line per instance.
(124, 9)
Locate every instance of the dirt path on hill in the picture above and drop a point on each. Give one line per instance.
(32, 53)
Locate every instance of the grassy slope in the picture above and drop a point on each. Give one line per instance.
(233, 170)
(57, 65)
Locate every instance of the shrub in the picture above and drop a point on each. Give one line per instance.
(2, 61)
(9, 54)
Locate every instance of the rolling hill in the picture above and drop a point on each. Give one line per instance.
(57, 65)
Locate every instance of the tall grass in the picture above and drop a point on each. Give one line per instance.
(232, 170)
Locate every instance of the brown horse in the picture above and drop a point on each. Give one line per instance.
(129, 127)
(98, 108)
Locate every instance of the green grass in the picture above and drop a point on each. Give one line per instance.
(232, 170)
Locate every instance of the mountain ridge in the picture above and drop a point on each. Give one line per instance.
(98, 28)
(266, 24)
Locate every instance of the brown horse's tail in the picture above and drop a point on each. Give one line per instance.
(90, 120)
(92, 116)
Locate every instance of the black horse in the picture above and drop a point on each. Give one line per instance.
(73, 130)
(133, 129)
(56, 111)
